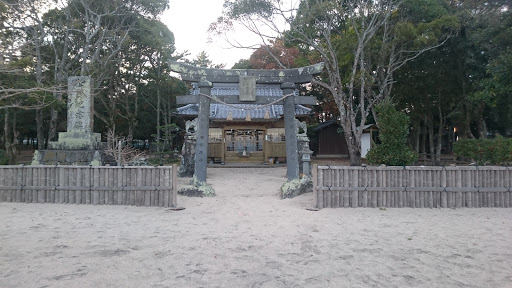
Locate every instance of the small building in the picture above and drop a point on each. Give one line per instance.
(248, 133)
(332, 143)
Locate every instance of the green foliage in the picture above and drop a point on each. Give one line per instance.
(496, 151)
(393, 130)
(3, 158)
(242, 64)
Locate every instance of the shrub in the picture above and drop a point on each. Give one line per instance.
(393, 130)
(496, 151)
(3, 158)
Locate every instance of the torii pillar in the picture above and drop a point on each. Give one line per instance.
(292, 153)
(203, 126)
(287, 78)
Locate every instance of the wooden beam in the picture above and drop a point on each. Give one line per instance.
(233, 99)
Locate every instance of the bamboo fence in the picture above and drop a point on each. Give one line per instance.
(96, 185)
(412, 186)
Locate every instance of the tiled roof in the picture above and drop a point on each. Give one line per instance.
(221, 111)
(335, 122)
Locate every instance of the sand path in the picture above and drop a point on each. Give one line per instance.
(247, 237)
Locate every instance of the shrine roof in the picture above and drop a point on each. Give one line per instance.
(221, 111)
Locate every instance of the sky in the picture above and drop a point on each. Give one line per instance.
(189, 21)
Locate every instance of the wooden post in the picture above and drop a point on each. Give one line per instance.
(174, 186)
(507, 186)
(458, 197)
(346, 183)
(400, 194)
(321, 192)
(355, 193)
(314, 175)
(366, 183)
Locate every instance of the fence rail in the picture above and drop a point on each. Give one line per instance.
(105, 185)
(412, 186)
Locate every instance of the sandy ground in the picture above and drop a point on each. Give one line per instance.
(247, 237)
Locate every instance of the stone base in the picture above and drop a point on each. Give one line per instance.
(76, 141)
(198, 190)
(67, 157)
(296, 187)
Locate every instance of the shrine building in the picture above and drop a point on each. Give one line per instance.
(245, 133)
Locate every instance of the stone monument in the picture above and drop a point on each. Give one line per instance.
(78, 145)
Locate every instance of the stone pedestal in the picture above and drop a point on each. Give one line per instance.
(76, 141)
(306, 161)
(66, 157)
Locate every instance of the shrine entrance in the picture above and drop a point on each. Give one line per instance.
(241, 96)
(245, 142)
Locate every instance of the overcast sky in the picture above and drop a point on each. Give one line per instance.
(189, 21)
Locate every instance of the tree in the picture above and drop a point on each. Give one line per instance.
(43, 42)
(393, 149)
(203, 60)
(274, 56)
(453, 86)
(362, 43)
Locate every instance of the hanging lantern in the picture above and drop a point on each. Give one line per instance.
(230, 116)
(248, 116)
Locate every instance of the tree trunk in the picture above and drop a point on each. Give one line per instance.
(158, 111)
(354, 150)
(15, 140)
(39, 129)
(417, 134)
(431, 138)
(439, 138)
(7, 140)
(52, 129)
(423, 142)
(481, 126)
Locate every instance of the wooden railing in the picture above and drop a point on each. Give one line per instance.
(412, 186)
(105, 185)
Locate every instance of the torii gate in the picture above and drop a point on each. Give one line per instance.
(247, 78)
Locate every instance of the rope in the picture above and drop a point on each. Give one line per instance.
(239, 106)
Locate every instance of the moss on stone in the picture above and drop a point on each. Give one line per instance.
(296, 187)
(206, 189)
